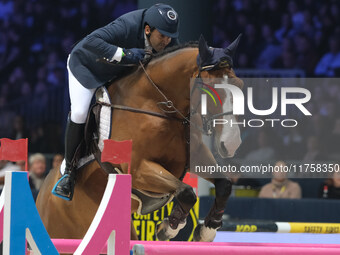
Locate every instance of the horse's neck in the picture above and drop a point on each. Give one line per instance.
(178, 64)
(171, 73)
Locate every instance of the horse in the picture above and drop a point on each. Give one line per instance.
(160, 146)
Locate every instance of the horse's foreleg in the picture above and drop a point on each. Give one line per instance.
(206, 232)
(170, 227)
(153, 177)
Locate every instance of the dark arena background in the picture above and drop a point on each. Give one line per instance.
(298, 39)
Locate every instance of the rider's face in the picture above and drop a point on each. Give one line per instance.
(156, 39)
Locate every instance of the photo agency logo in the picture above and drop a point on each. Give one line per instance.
(296, 97)
(204, 97)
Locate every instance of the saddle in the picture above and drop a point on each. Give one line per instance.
(97, 129)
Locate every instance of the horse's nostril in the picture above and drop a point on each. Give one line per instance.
(224, 149)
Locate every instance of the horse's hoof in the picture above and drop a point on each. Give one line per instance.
(204, 234)
(164, 232)
(138, 249)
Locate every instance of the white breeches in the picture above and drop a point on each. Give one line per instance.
(80, 98)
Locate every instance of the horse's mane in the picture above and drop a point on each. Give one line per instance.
(170, 50)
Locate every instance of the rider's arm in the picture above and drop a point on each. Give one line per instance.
(103, 41)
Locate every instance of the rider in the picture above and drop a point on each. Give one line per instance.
(121, 41)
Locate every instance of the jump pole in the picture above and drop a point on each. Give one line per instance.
(241, 249)
(200, 248)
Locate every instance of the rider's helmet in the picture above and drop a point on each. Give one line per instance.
(164, 18)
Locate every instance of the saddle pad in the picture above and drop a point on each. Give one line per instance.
(104, 130)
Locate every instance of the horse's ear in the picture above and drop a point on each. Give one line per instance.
(231, 49)
(203, 48)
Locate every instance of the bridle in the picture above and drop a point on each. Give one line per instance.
(206, 119)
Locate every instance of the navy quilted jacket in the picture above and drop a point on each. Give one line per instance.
(126, 31)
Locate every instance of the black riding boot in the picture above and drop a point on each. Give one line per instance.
(74, 134)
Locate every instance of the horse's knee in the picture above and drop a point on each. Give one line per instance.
(187, 198)
(223, 188)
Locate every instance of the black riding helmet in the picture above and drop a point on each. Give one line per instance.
(164, 18)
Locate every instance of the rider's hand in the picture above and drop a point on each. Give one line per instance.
(132, 56)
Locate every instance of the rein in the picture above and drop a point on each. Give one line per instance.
(207, 130)
(170, 104)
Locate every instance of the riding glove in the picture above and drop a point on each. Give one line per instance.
(132, 56)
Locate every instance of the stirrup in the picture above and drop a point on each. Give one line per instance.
(59, 189)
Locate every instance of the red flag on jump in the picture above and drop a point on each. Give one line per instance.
(13, 150)
(117, 152)
(191, 179)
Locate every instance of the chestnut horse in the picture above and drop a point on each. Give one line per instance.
(160, 147)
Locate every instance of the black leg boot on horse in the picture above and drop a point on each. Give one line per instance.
(74, 135)
(170, 227)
